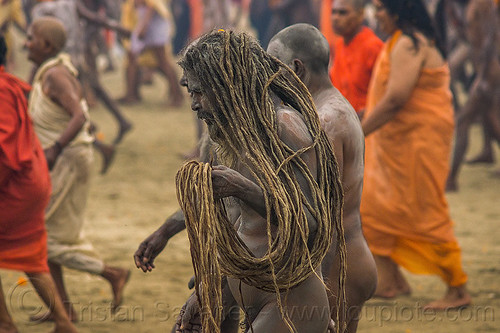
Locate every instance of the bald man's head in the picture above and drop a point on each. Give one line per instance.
(51, 30)
(304, 42)
(357, 4)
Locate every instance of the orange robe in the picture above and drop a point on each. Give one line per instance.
(25, 183)
(404, 210)
(353, 65)
(325, 24)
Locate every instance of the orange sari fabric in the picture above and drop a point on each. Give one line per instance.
(25, 189)
(353, 65)
(404, 210)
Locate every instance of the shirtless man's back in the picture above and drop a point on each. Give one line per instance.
(303, 48)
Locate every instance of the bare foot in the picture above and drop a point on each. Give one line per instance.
(8, 328)
(455, 298)
(124, 128)
(108, 155)
(391, 282)
(451, 186)
(118, 278)
(403, 287)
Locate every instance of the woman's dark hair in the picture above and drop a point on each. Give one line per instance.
(3, 50)
(412, 16)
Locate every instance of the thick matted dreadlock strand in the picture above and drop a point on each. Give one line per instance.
(250, 125)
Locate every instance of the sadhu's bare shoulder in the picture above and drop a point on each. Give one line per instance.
(292, 128)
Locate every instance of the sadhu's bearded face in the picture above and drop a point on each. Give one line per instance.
(203, 105)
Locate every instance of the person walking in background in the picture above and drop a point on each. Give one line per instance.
(356, 49)
(24, 194)
(61, 122)
(483, 33)
(409, 130)
(153, 31)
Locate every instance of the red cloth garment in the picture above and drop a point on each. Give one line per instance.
(353, 65)
(24, 182)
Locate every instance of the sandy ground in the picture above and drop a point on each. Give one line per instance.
(138, 193)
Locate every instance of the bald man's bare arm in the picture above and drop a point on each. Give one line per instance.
(64, 90)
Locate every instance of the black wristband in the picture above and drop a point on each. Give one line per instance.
(58, 146)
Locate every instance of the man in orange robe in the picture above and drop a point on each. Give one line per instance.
(356, 50)
(24, 194)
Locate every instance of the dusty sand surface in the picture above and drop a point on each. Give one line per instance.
(138, 193)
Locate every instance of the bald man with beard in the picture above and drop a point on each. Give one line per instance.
(304, 49)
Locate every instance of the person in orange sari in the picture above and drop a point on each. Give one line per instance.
(409, 129)
(24, 194)
(356, 50)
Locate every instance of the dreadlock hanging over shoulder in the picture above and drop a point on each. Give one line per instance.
(240, 78)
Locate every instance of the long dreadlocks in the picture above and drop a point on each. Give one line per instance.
(240, 78)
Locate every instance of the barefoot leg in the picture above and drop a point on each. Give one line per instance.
(131, 81)
(455, 298)
(58, 281)
(118, 278)
(386, 272)
(100, 92)
(402, 285)
(46, 288)
(175, 98)
(107, 152)
(6, 322)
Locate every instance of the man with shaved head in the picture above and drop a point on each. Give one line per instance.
(356, 50)
(303, 48)
(61, 121)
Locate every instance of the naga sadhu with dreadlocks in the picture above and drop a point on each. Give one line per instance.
(279, 168)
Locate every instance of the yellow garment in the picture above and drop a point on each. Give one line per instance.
(50, 119)
(11, 11)
(129, 20)
(404, 210)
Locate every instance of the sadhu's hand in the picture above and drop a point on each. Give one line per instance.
(226, 181)
(148, 250)
(189, 319)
